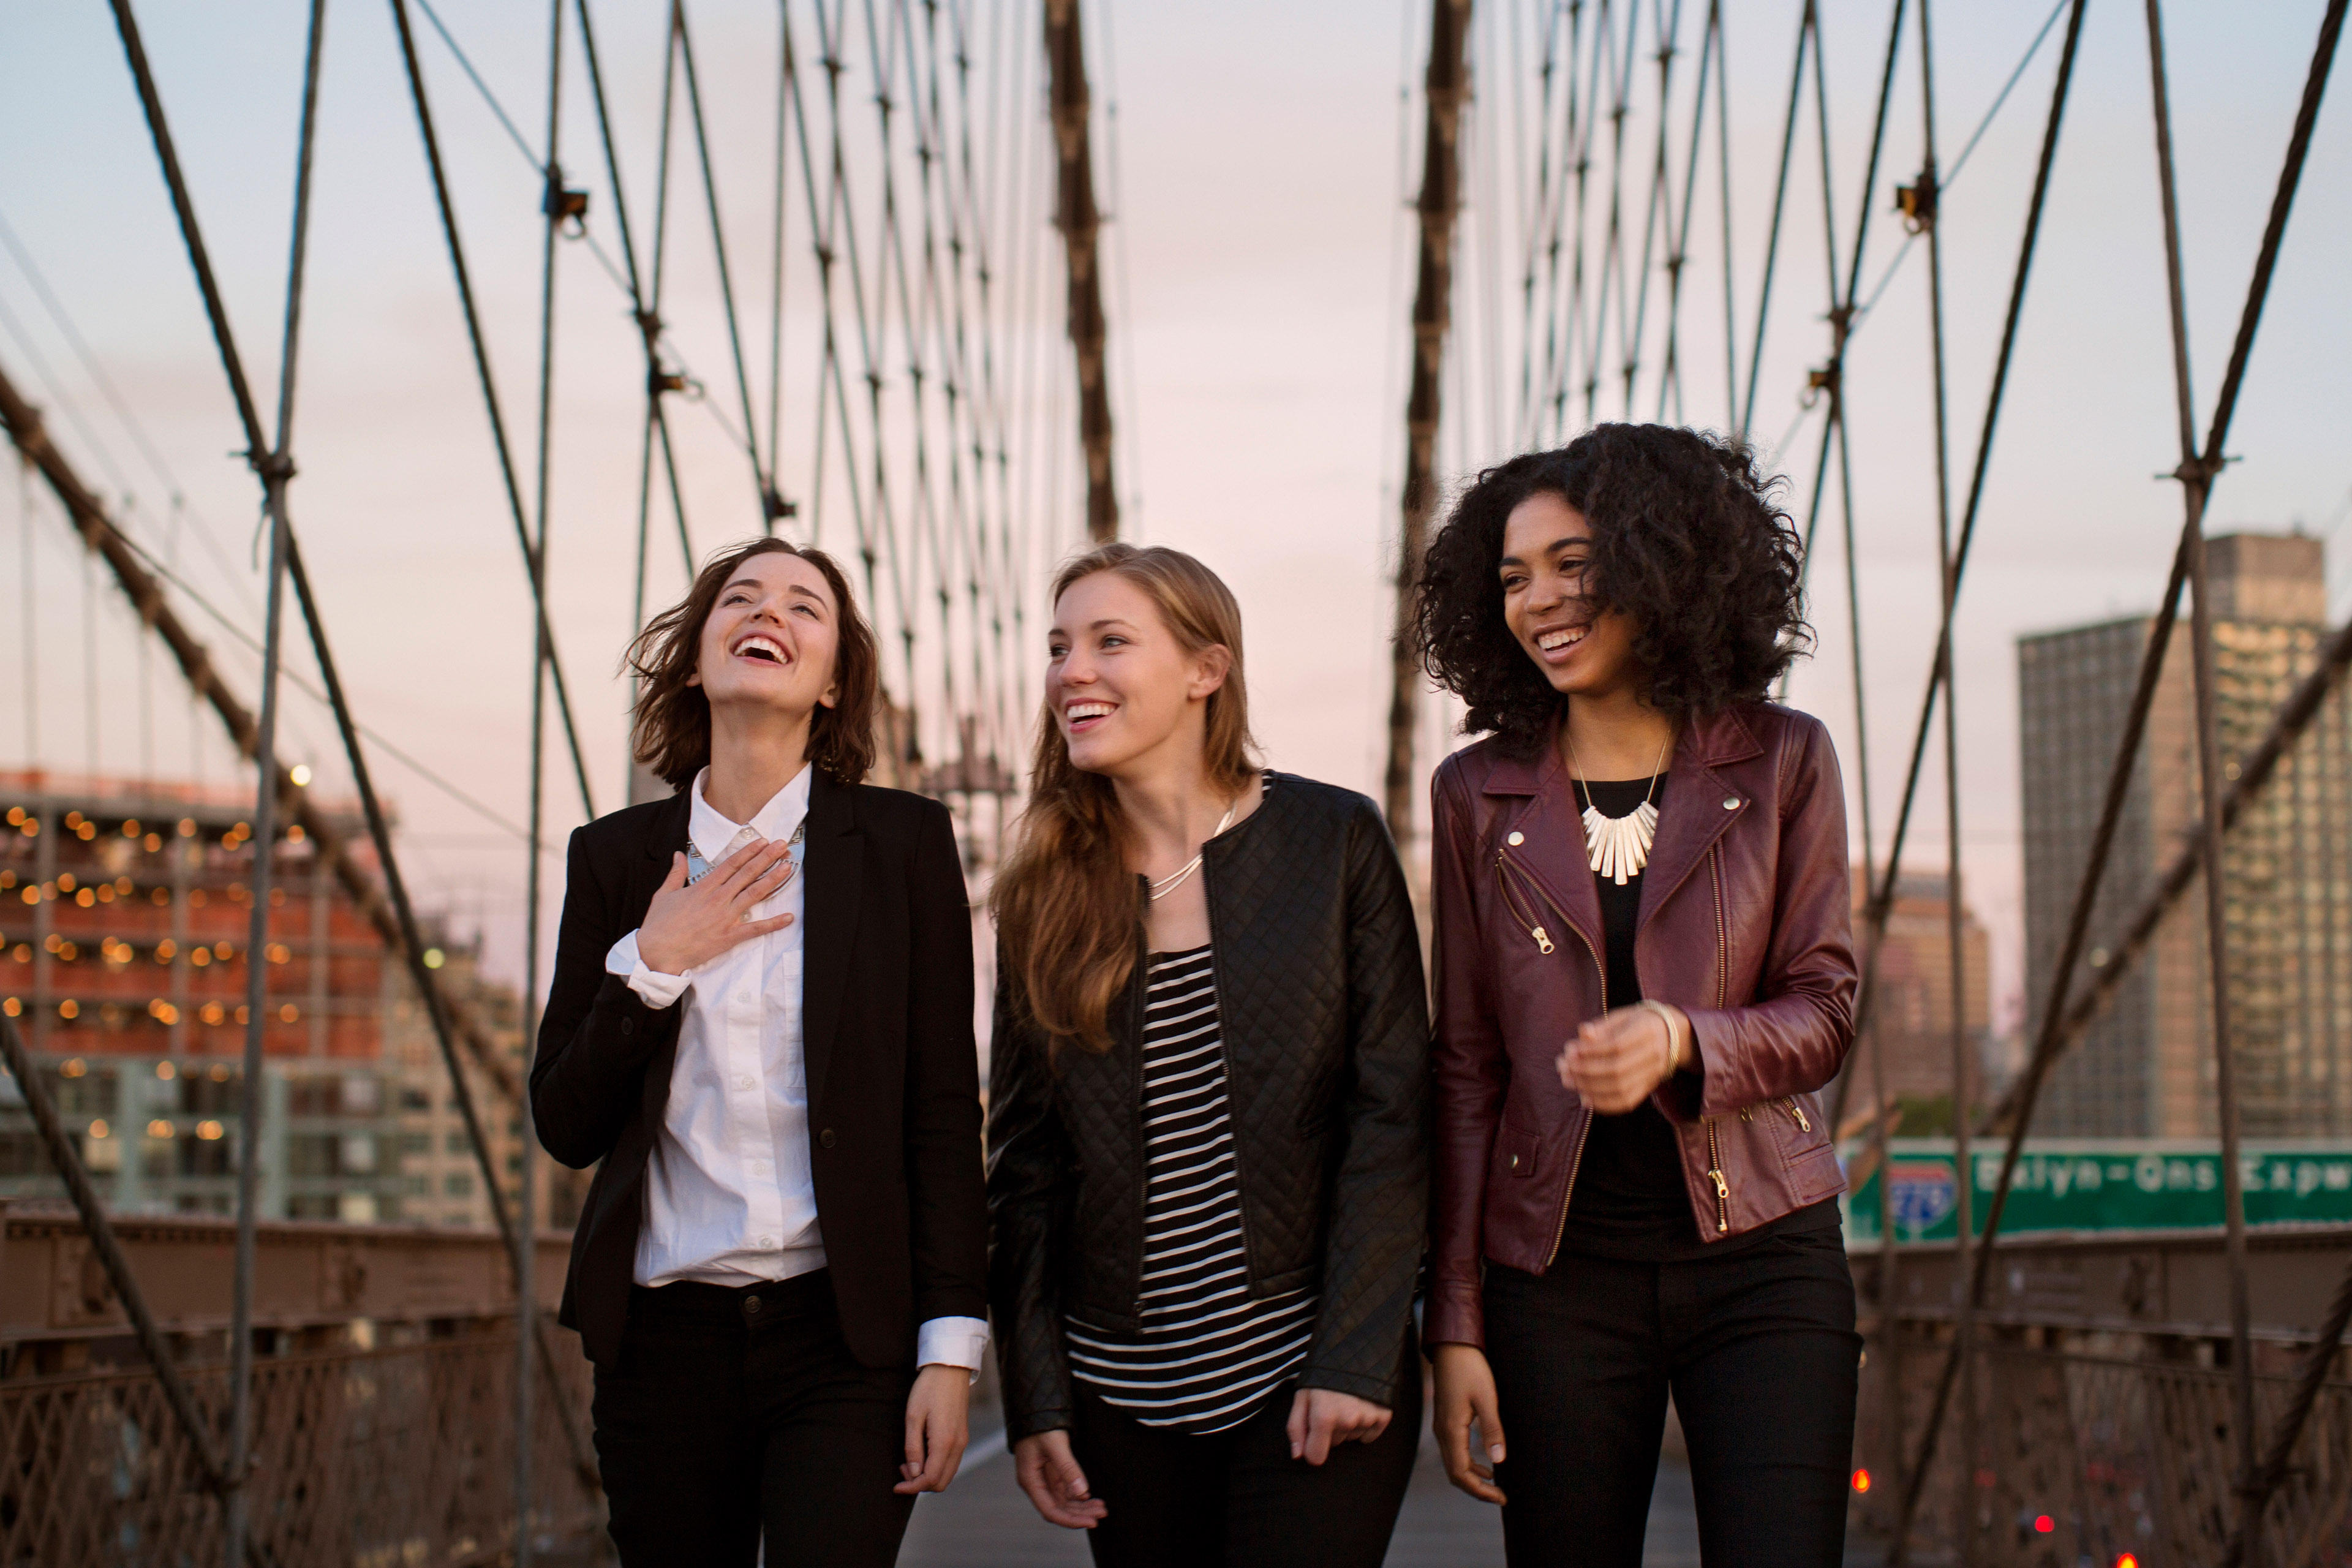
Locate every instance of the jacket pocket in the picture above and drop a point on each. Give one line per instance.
(1517, 1152)
(1814, 1175)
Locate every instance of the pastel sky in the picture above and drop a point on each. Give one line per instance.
(1256, 162)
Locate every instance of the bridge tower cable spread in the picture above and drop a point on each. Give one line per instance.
(1080, 223)
(1443, 89)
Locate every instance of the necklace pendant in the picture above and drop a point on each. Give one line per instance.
(1617, 847)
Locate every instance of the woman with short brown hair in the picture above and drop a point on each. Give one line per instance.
(762, 1027)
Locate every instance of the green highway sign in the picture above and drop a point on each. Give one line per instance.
(2099, 1184)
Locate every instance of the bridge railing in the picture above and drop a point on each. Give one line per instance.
(2099, 1426)
(383, 1397)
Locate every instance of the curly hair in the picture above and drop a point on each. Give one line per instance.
(1687, 540)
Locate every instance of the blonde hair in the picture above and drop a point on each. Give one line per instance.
(1068, 911)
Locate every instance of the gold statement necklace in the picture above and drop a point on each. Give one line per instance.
(1617, 847)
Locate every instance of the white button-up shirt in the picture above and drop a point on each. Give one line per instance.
(729, 1199)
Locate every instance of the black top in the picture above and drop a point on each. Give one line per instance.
(1629, 1201)
(893, 1084)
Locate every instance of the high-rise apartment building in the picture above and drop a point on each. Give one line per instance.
(2146, 1068)
(125, 912)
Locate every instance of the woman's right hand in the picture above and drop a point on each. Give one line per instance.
(1465, 1391)
(686, 926)
(1049, 1473)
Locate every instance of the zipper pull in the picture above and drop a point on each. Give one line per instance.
(1722, 1201)
(1798, 1111)
(1543, 943)
(1722, 1187)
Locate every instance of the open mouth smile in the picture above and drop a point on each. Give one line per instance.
(1554, 645)
(760, 646)
(1082, 717)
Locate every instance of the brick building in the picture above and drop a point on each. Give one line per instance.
(124, 956)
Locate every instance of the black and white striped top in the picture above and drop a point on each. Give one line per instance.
(1206, 1355)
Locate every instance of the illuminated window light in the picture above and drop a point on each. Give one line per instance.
(209, 1131)
(69, 1009)
(166, 1072)
(288, 1013)
(158, 1128)
(100, 1129)
(1862, 1481)
(12, 1007)
(74, 1069)
(301, 774)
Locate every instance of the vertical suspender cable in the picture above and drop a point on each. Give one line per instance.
(275, 464)
(411, 944)
(553, 207)
(1963, 1079)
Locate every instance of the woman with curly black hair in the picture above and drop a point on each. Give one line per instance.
(1645, 970)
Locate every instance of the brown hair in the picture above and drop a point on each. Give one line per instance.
(671, 733)
(1067, 907)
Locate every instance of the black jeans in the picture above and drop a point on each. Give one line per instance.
(1759, 1350)
(739, 1413)
(1237, 1498)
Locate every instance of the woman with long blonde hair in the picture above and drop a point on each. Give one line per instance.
(1208, 1158)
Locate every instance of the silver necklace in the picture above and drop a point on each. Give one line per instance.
(1175, 880)
(1617, 847)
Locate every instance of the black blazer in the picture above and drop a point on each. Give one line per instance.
(893, 1080)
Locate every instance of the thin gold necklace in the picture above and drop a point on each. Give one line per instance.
(1617, 847)
(1175, 880)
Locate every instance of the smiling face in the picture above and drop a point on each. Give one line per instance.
(1118, 682)
(1547, 546)
(772, 638)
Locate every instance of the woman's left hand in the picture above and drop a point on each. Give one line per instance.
(938, 1428)
(1323, 1418)
(1617, 1059)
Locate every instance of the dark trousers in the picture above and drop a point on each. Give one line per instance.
(1237, 1497)
(1759, 1352)
(736, 1416)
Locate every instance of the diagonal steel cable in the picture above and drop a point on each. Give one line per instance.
(2064, 1020)
(482, 353)
(1808, 27)
(437, 1006)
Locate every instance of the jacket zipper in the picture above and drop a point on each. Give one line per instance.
(1789, 1103)
(1722, 982)
(1504, 871)
(1715, 1174)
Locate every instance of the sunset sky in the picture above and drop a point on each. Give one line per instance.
(1255, 160)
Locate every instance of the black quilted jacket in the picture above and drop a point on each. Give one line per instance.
(1325, 1033)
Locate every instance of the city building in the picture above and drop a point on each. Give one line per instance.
(2146, 1068)
(125, 914)
(1911, 1017)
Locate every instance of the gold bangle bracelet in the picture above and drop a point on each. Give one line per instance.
(1666, 1018)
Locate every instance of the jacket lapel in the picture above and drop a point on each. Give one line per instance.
(666, 835)
(834, 851)
(1700, 805)
(1545, 836)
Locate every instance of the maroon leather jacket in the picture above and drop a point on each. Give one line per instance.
(1745, 925)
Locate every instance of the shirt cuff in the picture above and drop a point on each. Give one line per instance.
(953, 1341)
(654, 988)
